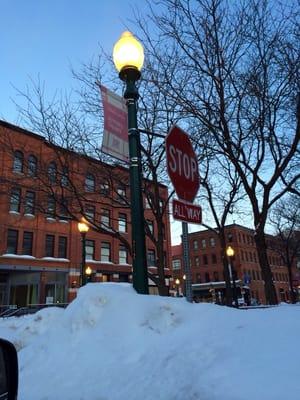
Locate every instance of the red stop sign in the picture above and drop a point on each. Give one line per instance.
(182, 164)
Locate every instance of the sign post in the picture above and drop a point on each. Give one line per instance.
(182, 165)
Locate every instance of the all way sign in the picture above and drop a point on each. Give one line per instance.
(187, 212)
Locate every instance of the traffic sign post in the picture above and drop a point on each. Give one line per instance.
(182, 165)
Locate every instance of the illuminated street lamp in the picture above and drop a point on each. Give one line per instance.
(88, 273)
(177, 282)
(83, 229)
(128, 56)
(184, 284)
(230, 255)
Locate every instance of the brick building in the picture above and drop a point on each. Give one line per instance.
(207, 267)
(44, 191)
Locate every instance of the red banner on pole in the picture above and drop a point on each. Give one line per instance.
(115, 135)
(187, 212)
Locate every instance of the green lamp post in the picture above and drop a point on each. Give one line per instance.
(83, 229)
(128, 56)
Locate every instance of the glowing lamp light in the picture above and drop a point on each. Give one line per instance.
(88, 271)
(177, 281)
(83, 226)
(128, 52)
(230, 251)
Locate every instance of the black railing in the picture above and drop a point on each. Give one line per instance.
(12, 310)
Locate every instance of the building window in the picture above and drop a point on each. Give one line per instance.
(89, 249)
(62, 246)
(105, 252)
(195, 244)
(105, 218)
(216, 276)
(205, 260)
(12, 241)
(52, 172)
(147, 204)
(27, 243)
(197, 261)
(122, 254)
(104, 188)
(230, 237)
(51, 207)
(63, 209)
(203, 243)
(65, 177)
(214, 259)
(90, 213)
(176, 264)
(198, 278)
(90, 183)
(15, 200)
(151, 258)
(207, 278)
(32, 165)
(49, 245)
(29, 203)
(150, 226)
(122, 222)
(212, 242)
(121, 195)
(18, 164)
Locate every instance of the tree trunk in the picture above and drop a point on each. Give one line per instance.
(270, 292)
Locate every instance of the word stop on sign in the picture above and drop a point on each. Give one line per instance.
(182, 164)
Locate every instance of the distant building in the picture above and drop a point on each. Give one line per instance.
(207, 266)
(40, 246)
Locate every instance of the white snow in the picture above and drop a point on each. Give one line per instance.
(112, 344)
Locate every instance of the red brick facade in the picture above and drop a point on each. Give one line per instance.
(41, 253)
(206, 262)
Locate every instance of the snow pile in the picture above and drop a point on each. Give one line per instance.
(112, 344)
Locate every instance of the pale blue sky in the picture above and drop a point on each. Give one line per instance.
(44, 37)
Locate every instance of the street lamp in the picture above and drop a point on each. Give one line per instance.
(230, 255)
(128, 56)
(83, 229)
(184, 284)
(88, 273)
(177, 282)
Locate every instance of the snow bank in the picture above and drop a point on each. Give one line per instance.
(112, 344)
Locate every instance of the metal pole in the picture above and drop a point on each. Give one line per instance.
(139, 260)
(82, 272)
(232, 277)
(186, 263)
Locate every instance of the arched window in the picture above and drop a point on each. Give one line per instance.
(32, 165)
(18, 161)
(52, 172)
(90, 183)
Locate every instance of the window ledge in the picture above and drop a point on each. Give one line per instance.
(50, 219)
(63, 221)
(30, 216)
(14, 212)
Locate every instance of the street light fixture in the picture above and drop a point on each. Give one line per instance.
(177, 282)
(83, 229)
(230, 255)
(88, 273)
(128, 56)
